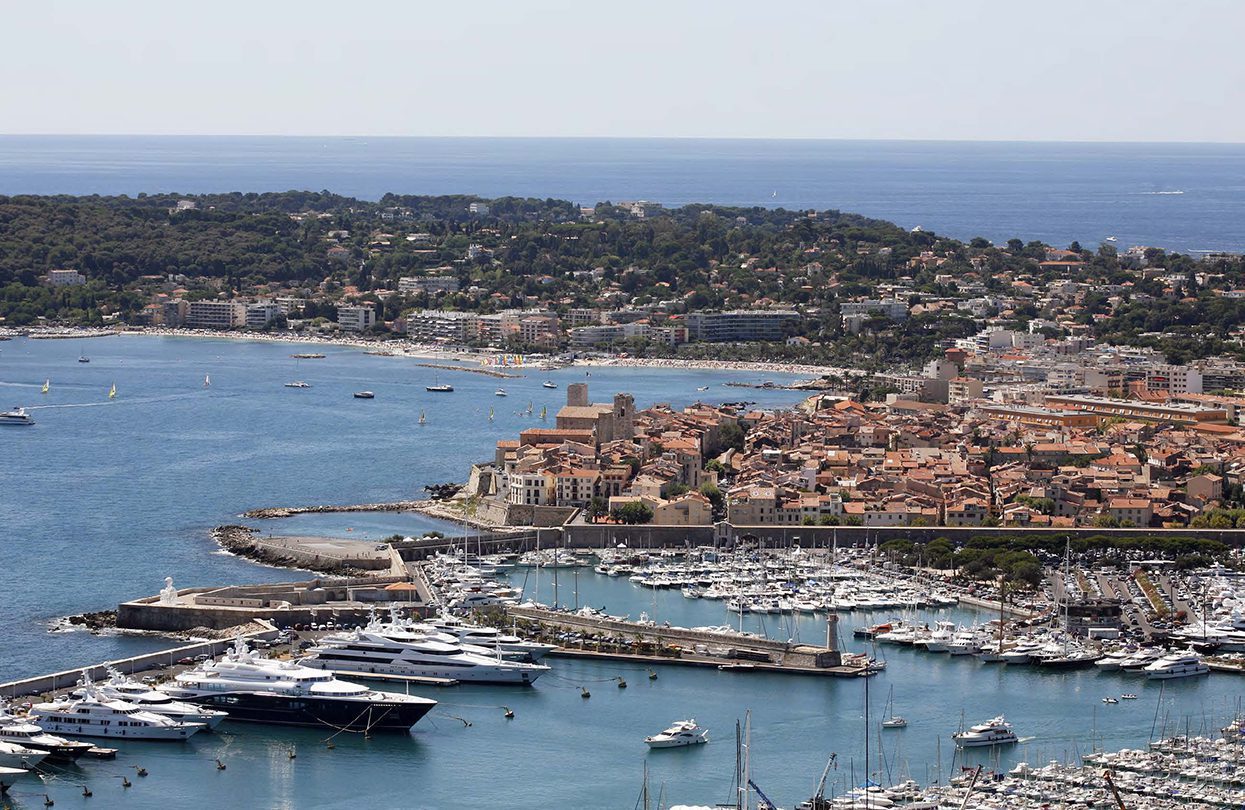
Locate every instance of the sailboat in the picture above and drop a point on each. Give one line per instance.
(422, 418)
(112, 392)
(207, 381)
(490, 414)
(46, 385)
(439, 388)
(543, 411)
(893, 720)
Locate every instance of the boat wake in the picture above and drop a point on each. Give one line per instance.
(111, 403)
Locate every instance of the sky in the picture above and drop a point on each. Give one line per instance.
(1089, 70)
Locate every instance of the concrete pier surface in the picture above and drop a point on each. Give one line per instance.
(678, 645)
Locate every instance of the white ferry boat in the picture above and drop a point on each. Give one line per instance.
(16, 417)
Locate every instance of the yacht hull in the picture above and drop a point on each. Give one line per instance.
(251, 707)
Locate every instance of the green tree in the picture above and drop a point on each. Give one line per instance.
(632, 513)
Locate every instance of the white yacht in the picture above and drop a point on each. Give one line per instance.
(491, 638)
(298, 384)
(264, 690)
(992, 732)
(119, 687)
(1176, 665)
(15, 755)
(681, 733)
(964, 642)
(94, 715)
(1111, 661)
(1138, 661)
(17, 417)
(549, 384)
(20, 731)
(388, 650)
(940, 639)
(500, 392)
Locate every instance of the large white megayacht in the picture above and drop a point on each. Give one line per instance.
(409, 649)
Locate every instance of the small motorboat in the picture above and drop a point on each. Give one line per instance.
(444, 388)
(1110, 700)
(84, 359)
(681, 733)
(364, 395)
(297, 384)
(702, 388)
(549, 384)
(500, 392)
(1128, 696)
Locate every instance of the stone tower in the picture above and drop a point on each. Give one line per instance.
(624, 416)
(577, 394)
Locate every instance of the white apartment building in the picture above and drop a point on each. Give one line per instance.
(260, 314)
(66, 278)
(356, 318)
(216, 314)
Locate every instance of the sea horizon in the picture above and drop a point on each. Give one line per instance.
(1186, 197)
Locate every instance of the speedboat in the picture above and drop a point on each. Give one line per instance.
(549, 384)
(681, 733)
(1110, 700)
(443, 388)
(263, 690)
(84, 359)
(995, 731)
(297, 384)
(1176, 665)
(364, 395)
(93, 715)
(17, 416)
(500, 392)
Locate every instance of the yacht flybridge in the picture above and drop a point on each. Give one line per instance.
(263, 690)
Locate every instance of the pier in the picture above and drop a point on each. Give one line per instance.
(615, 640)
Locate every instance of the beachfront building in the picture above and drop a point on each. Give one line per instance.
(356, 318)
(741, 325)
(216, 314)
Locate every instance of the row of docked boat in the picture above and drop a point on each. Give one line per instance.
(1048, 649)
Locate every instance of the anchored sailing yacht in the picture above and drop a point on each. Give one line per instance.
(263, 690)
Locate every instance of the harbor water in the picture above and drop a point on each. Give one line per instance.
(102, 499)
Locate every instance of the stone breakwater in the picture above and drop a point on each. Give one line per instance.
(244, 542)
(289, 511)
(488, 372)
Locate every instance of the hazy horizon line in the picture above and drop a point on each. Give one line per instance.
(742, 138)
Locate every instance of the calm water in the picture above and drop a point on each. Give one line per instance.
(101, 500)
(1054, 192)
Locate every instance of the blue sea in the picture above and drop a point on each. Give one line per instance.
(100, 500)
(1186, 197)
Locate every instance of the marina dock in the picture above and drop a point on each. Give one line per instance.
(614, 640)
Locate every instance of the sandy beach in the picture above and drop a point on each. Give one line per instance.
(401, 347)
